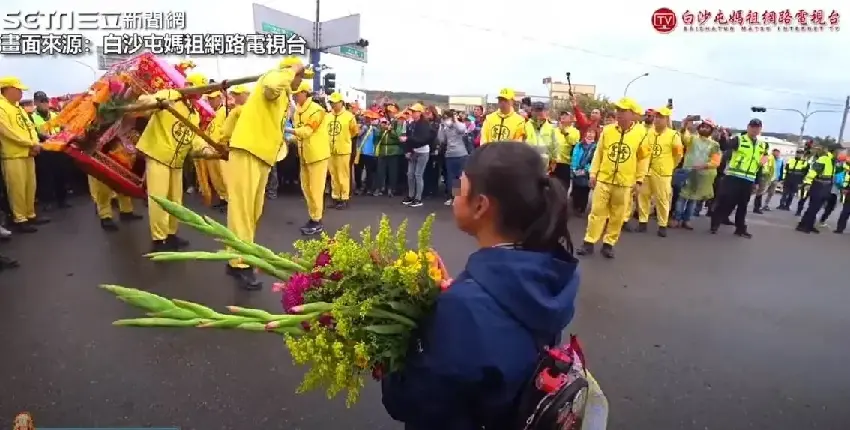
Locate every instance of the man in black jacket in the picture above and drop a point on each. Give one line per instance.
(417, 150)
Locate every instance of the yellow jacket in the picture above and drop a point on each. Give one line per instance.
(568, 137)
(667, 150)
(498, 127)
(339, 129)
(544, 140)
(215, 129)
(165, 138)
(312, 146)
(230, 124)
(17, 132)
(621, 157)
(263, 117)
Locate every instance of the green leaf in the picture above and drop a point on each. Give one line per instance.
(229, 322)
(313, 307)
(198, 309)
(179, 211)
(140, 299)
(192, 256)
(174, 313)
(406, 308)
(252, 326)
(380, 313)
(158, 322)
(388, 329)
(253, 313)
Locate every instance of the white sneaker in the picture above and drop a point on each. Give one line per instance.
(4, 233)
(449, 202)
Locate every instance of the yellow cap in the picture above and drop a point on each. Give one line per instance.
(304, 87)
(196, 80)
(417, 108)
(214, 94)
(14, 82)
(628, 104)
(309, 73)
(289, 62)
(507, 94)
(665, 111)
(239, 89)
(335, 98)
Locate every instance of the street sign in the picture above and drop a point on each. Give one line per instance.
(105, 62)
(353, 52)
(268, 20)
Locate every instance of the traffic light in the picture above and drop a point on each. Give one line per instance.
(758, 109)
(363, 43)
(330, 83)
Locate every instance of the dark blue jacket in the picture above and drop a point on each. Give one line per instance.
(480, 346)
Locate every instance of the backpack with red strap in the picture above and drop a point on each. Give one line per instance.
(555, 397)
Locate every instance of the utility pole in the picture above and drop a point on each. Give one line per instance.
(844, 121)
(316, 52)
(805, 116)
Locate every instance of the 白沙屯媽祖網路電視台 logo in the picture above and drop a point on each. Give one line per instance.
(664, 20)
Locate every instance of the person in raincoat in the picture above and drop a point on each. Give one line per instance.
(166, 142)
(255, 145)
(702, 157)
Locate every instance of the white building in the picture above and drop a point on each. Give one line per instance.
(351, 95)
(786, 149)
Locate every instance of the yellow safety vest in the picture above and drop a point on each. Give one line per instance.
(746, 160)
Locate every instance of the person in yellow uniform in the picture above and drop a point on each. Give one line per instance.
(341, 127)
(568, 137)
(19, 144)
(165, 143)
(215, 131)
(102, 197)
(504, 123)
(667, 151)
(314, 151)
(619, 165)
(256, 140)
(540, 133)
(239, 94)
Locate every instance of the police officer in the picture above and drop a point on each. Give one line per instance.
(821, 174)
(742, 175)
(792, 176)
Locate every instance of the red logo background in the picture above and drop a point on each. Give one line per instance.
(664, 20)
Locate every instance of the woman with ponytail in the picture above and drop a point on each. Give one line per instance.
(476, 353)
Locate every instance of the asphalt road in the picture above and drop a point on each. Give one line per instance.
(689, 332)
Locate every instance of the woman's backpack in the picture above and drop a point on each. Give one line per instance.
(555, 397)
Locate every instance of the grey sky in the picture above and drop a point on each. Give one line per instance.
(477, 47)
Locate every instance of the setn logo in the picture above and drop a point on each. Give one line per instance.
(664, 20)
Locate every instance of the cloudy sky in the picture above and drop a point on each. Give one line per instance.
(477, 47)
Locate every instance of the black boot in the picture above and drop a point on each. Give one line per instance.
(312, 228)
(662, 231)
(341, 205)
(333, 204)
(23, 227)
(607, 251)
(107, 224)
(177, 242)
(744, 233)
(162, 246)
(39, 220)
(8, 263)
(585, 249)
(641, 227)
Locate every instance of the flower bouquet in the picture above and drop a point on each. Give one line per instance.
(350, 303)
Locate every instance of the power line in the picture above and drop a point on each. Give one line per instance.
(627, 60)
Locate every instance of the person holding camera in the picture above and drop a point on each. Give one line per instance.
(453, 139)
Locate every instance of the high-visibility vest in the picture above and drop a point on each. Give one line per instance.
(796, 166)
(746, 160)
(39, 122)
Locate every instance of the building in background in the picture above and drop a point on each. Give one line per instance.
(786, 149)
(466, 103)
(561, 90)
(352, 95)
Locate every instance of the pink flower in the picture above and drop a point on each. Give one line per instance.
(445, 284)
(293, 291)
(323, 259)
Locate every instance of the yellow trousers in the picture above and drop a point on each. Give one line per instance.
(164, 182)
(216, 172)
(102, 197)
(19, 175)
(246, 177)
(313, 179)
(609, 203)
(340, 168)
(661, 188)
